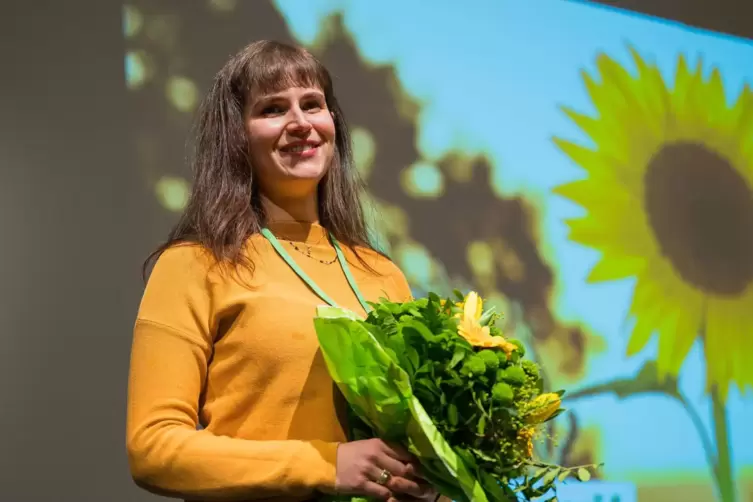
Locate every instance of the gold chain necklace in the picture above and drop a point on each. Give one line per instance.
(307, 253)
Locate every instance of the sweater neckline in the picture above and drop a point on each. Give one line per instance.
(310, 233)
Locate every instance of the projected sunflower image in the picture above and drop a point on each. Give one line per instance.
(668, 195)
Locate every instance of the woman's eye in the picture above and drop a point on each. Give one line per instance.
(313, 106)
(272, 110)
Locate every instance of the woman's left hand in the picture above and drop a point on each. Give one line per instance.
(429, 494)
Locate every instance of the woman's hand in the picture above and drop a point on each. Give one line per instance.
(373, 468)
(429, 495)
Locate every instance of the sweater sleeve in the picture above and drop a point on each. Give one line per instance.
(172, 345)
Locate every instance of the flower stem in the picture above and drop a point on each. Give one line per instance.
(723, 469)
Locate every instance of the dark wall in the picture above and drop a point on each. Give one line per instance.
(70, 252)
(724, 16)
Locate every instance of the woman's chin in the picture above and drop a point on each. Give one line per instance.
(299, 183)
(306, 176)
(306, 171)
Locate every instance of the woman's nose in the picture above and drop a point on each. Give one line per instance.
(298, 121)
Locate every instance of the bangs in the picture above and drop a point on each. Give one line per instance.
(283, 68)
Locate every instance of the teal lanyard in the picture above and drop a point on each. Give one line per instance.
(305, 278)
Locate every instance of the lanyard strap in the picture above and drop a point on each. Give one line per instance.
(309, 282)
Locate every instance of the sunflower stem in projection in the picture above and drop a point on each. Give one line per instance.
(723, 468)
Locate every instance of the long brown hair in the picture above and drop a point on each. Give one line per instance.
(224, 208)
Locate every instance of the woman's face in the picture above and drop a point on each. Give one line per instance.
(291, 140)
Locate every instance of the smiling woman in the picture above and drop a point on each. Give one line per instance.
(229, 396)
(291, 135)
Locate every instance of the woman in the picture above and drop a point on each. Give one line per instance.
(229, 397)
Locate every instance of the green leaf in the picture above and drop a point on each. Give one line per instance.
(583, 474)
(481, 427)
(483, 456)
(424, 369)
(486, 317)
(415, 313)
(539, 472)
(412, 355)
(420, 328)
(452, 414)
(458, 295)
(555, 414)
(563, 476)
(549, 477)
(457, 357)
(466, 456)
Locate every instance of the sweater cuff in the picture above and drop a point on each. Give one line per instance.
(323, 466)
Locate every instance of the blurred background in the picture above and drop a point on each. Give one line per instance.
(586, 166)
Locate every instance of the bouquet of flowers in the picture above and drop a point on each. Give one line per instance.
(438, 377)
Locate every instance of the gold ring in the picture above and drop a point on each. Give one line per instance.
(384, 477)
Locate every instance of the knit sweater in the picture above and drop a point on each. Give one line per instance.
(229, 397)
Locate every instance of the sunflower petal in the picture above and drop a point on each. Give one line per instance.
(679, 332)
(646, 308)
(715, 99)
(641, 335)
(582, 192)
(632, 240)
(608, 269)
(743, 112)
(610, 138)
(586, 158)
(655, 92)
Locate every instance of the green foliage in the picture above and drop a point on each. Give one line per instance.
(476, 397)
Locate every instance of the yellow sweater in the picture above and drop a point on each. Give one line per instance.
(241, 358)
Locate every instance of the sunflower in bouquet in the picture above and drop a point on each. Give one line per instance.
(437, 376)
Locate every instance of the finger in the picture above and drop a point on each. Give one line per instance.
(428, 493)
(401, 487)
(397, 452)
(389, 464)
(418, 472)
(379, 492)
(397, 482)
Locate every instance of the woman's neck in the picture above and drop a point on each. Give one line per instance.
(291, 209)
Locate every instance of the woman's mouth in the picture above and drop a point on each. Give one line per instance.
(300, 149)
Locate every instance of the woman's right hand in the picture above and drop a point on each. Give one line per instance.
(361, 463)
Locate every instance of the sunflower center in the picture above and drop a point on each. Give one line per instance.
(701, 211)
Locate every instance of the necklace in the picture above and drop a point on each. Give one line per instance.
(306, 279)
(307, 253)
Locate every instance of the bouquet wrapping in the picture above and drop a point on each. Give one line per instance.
(437, 377)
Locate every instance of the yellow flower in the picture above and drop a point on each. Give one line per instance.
(471, 329)
(668, 195)
(543, 407)
(525, 440)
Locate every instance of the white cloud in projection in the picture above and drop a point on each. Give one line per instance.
(490, 77)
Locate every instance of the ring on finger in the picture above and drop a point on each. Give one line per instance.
(384, 477)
